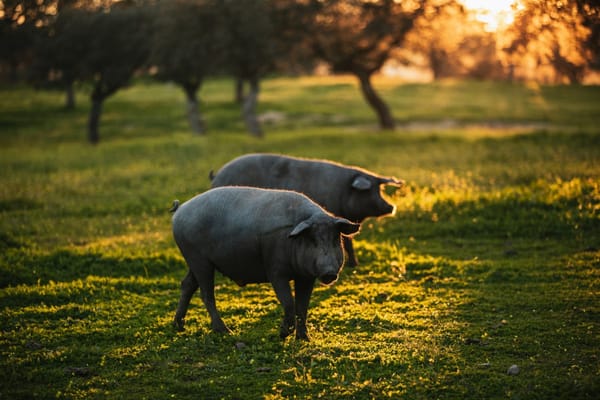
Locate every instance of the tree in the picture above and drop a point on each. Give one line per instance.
(189, 43)
(479, 56)
(250, 51)
(358, 37)
(62, 43)
(437, 36)
(290, 20)
(116, 50)
(590, 14)
(551, 33)
(20, 23)
(105, 46)
(59, 53)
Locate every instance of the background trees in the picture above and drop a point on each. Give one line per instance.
(358, 37)
(117, 49)
(19, 22)
(104, 46)
(554, 34)
(61, 51)
(188, 44)
(452, 43)
(250, 52)
(437, 36)
(106, 42)
(194, 39)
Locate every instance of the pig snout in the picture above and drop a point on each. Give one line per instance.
(329, 265)
(329, 272)
(328, 277)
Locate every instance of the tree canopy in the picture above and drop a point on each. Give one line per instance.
(106, 42)
(358, 37)
(188, 45)
(555, 33)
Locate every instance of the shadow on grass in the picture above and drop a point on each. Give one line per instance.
(19, 267)
(91, 322)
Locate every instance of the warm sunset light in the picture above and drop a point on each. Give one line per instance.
(494, 14)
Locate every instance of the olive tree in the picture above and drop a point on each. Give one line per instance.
(117, 48)
(560, 34)
(188, 44)
(60, 53)
(250, 50)
(358, 37)
(21, 23)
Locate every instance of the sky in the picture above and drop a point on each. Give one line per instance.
(492, 12)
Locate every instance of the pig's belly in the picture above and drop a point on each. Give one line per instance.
(243, 276)
(241, 266)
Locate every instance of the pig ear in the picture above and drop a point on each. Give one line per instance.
(361, 183)
(298, 229)
(346, 227)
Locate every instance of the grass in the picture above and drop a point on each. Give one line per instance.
(493, 258)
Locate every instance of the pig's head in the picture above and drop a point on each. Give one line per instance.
(318, 250)
(364, 197)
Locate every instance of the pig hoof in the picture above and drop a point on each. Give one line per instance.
(286, 331)
(221, 328)
(283, 334)
(178, 324)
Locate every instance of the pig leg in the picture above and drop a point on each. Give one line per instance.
(284, 295)
(303, 289)
(189, 285)
(204, 274)
(207, 290)
(352, 261)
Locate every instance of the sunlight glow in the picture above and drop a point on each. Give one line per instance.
(494, 14)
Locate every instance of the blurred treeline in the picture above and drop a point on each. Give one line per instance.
(105, 43)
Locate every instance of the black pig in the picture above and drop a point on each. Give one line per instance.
(349, 192)
(256, 235)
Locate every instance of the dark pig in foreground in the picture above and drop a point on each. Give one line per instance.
(254, 235)
(349, 192)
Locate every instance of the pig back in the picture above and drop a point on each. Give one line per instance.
(324, 182)
(238, 215)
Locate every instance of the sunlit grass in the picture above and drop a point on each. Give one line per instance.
(492, 259)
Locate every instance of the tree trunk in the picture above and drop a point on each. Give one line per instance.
(511, 72)
(386, 121)
(13, 71)
(101, 92)
(436, 63)
(249, 109)
(563, 67)
(193, 113)
(70, 96)
(239, 90)
(94, 120)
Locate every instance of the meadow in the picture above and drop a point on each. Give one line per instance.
(492, 259)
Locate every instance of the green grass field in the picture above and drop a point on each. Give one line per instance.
(492, 260)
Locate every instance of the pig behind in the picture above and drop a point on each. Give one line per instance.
(256, 235)
(349, 192)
